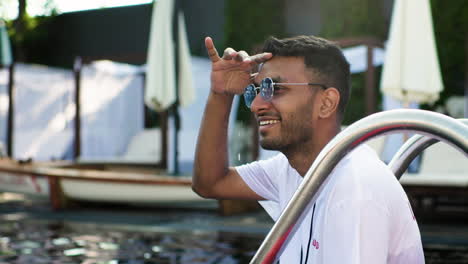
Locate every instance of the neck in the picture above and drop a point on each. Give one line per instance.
(302, 156)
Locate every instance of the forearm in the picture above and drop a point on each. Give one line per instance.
(211, 156)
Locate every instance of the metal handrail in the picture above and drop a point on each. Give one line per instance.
(439, 126)
(410, 150)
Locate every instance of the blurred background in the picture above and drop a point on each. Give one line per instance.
(112, 82)
(52, 32)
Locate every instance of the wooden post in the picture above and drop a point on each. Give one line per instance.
(370, 87)
(466, 76)
(370, 82)
(164, 129)
(56, 197)
(11, 110)
(77, 74)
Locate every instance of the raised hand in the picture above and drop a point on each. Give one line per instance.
(232, 73)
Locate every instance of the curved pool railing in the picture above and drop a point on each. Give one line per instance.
(410, 150)
(428, 123)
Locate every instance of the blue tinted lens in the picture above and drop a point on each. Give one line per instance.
(249, 95)
(266, 89)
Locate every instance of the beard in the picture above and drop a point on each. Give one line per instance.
(294, 133)
(271, 144)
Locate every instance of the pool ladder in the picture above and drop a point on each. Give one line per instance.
(432, 127)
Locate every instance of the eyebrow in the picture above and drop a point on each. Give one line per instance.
(278, 79)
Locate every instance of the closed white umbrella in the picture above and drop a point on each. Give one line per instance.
(162, 91)
(185, 80)
(411, 71)
(5, 47)
(160, 73)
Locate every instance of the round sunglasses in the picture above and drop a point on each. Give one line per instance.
(267, 90)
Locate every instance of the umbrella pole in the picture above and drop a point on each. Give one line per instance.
(77, 66)
(176, 138)
(11, 110)
(466, 76)
(175, 109)
(370, 81)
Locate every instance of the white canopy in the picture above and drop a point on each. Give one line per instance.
(411, 71)
(160, 91)
(45, 110)
(357, 57)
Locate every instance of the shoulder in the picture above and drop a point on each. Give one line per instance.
(363, 176)
(364, 163)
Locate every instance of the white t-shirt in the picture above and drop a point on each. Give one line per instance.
(361, 216)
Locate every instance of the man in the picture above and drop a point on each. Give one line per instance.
(298, 96)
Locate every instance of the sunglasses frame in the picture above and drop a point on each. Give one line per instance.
(262, 89)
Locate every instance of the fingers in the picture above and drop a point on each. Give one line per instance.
(239, 56)
(229, 54)
(243, 56)
(210, 48)
(262, 57)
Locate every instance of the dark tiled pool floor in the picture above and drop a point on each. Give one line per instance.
(30, 232)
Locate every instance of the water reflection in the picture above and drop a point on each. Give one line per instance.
(32, 241)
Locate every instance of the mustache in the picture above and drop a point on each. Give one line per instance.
(269, 114)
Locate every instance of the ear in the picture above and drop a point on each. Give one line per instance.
(329, 102)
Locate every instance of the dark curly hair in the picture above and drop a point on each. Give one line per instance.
(322, 56)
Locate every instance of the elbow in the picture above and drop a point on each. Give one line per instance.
(202, 190)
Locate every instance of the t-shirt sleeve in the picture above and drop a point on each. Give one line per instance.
(260, 176)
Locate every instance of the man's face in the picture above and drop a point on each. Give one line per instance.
(287, 121)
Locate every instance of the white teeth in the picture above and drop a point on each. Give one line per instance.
(268, 122)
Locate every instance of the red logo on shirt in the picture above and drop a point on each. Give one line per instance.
(315, 243)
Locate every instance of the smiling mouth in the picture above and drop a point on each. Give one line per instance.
(268, 122)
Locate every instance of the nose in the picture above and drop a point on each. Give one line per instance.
(259, 104)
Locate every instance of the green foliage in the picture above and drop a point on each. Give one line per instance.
(29, 36)
(351, 18)
(249, 23)
(33, 39)
(450, 19)
(38, 41)
(247, 28)
(356, 106)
